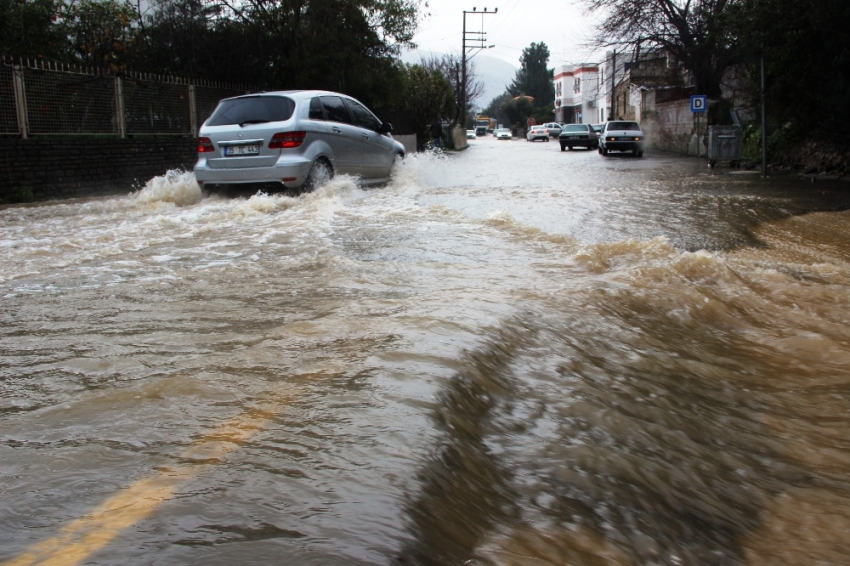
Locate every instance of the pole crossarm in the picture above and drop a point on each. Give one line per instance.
(481, 44)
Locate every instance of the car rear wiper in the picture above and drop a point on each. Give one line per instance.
(242, 124)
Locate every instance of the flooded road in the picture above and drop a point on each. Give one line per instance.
(509, 356)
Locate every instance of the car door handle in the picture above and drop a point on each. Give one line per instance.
(337, 130)
(365, 136)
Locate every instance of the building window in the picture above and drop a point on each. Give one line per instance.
(577, 85)
(558, 89)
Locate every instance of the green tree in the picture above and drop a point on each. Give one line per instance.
(32, 29)
(100, 32)
(534, 78)
(806, 47)
(426, 95)
(518, 111)
(496, 108)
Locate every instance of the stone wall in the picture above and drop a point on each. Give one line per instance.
(73, 167)
(817, 157)
(671, 126)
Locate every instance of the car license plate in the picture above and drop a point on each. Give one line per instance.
(233, 150)
(572, 137)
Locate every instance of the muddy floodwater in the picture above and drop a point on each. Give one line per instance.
(509, 356)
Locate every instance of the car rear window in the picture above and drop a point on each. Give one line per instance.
(575, 128)
(623, 126)
(252, 110)
(316, 112)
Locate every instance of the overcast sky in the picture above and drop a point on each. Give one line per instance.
(561, 24)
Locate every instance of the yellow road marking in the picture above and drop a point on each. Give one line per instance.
(86, 535)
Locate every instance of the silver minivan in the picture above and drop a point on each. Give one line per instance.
(299, 139)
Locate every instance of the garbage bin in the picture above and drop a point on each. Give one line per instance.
(725, 143)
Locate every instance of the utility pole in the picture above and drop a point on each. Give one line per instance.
(611, 114)
(477, 44)
(763, 121)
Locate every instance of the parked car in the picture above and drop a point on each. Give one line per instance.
(598, 129)
(503, 134)
(297, 139)
(537, 133)
(554, 129)
(470, 134)
(622, 135)
(577, 135)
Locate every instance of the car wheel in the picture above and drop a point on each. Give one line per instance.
(320, 173)
(563, 147)
(640, 154)
(604, 150)
(546, 140)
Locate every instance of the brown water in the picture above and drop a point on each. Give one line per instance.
(512, 356)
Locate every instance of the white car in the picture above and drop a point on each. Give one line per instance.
(537, 133)
(622, 135)
(554, 129)
(503, 134)
(294, 140)
(470, 134)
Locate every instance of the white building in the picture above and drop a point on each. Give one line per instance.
(577, 90)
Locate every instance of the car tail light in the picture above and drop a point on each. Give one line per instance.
(205, 145)
(286, 140)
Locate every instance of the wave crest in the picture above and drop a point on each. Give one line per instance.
(176, 187)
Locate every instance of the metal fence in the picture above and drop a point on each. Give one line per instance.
(38, 98)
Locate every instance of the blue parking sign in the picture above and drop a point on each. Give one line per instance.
(699, 103)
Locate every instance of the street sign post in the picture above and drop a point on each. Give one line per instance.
(699, 104)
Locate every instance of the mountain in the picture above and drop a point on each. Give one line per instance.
(495, 73)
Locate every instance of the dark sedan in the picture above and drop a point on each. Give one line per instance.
(577, 135)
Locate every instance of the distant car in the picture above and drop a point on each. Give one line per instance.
(577, 135)
(598, 129)
(537, 133)
(503, 134)
(554, 129)
(293, 139)
(622, 135)
(470, 134)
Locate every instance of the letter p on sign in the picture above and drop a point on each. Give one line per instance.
(699, 103)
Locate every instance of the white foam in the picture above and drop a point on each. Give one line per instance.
(176, 187)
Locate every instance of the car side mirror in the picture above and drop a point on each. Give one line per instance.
(386, 128)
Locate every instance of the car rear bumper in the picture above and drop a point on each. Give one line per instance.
(580, 142)
(292, 173)
(623, 146)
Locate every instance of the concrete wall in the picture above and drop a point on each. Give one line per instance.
(71, 167)
(459, 138)
(408, 141)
